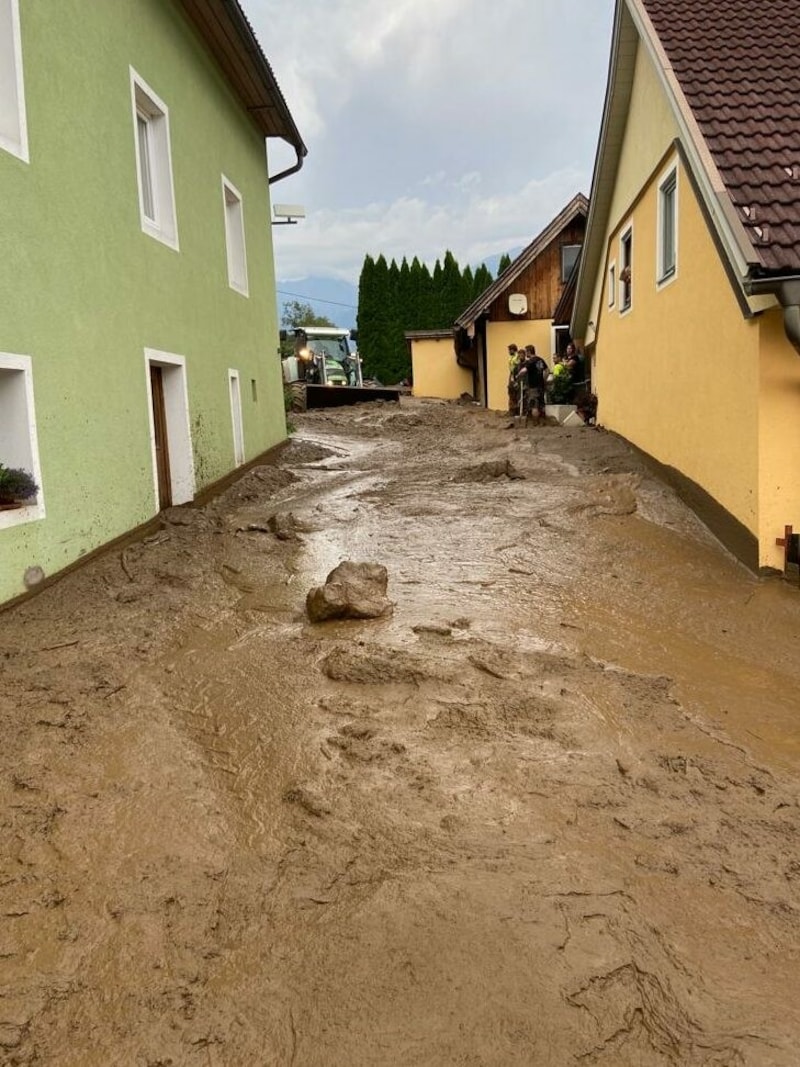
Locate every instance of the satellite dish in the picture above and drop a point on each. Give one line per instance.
(517, 303)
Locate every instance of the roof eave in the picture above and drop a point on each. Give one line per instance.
(224, 27)
(632, 25)
(579, 205)
(622, 62)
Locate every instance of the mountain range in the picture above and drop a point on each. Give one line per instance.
(337, 299)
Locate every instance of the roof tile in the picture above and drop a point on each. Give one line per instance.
(738, 64)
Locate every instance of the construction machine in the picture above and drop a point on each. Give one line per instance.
(324, 372)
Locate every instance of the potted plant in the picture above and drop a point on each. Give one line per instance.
(16, 487)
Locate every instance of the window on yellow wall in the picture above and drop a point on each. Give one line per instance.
(668, 227)
(626, 270)
(612, 285)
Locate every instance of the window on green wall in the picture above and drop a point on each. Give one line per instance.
(234, 237)
(153, 163)
(18, 442)
(13, 127)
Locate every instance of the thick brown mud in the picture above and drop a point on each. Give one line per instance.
(546, 813)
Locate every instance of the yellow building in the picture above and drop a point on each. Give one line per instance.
(435, 372)
(688, 293)
(518, 307)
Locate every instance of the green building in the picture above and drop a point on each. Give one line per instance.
(138, 332)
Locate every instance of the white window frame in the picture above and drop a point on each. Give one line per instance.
(554, 332)
(147, 105)
(179, 429)
(612, 284)
(34, 510)
(237, 420)
(12, 83)
(670, 176)
(235, 243)
(625, 233)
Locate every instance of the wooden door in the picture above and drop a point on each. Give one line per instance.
(161, 440)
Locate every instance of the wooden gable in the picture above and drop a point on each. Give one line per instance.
(541, 281)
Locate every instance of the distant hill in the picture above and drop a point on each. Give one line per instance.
(338, 300)
(335, 299)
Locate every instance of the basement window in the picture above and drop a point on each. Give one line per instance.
(13, 126)
(18, 442)
(153, 163)
(667, 227)
(626, 269)
(234, 237)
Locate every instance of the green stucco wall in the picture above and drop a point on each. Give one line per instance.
(85, 291)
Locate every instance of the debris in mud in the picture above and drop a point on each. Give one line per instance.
(433, 628)
(308, 799)
(351, 591)
(488, 471)
(284, 526)
(180, 516)
(376, 665)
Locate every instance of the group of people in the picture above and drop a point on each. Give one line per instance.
(531, 383)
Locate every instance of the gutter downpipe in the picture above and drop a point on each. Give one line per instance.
(289, 170)
(787, 290)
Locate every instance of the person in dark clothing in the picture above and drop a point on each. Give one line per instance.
(532, 374)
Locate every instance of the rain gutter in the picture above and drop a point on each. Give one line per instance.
(786, 288)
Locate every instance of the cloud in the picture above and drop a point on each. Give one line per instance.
(431, 124)
(471, 225)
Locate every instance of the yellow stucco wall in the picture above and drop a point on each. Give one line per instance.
(436, 372)
(678, 374)
(779, 437)
(499, 335)
(650, 130)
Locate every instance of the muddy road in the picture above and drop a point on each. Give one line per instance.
(545, 814)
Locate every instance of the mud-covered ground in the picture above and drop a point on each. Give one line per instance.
(546, 814)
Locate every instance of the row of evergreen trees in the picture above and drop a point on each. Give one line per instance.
(393, 299)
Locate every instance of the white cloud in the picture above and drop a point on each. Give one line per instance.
(431, 124)
(472, 226)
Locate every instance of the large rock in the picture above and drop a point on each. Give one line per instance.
(351, 591)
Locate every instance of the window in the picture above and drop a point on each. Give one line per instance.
(18, 443)
(153, 163)
(559, 339)
(667, 227)
(234, 237)
(236, 417)
(626, 269)
(13, 127)
(569, 257)
(612, 285)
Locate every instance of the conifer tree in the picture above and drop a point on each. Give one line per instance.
(483, 279)
(504, 264)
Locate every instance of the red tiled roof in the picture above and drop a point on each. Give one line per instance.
(738, 65)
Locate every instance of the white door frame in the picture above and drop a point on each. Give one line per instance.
(235, 390)
(179, 433)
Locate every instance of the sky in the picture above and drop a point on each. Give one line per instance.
(431, 124)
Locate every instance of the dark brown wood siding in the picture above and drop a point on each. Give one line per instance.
(541, 281)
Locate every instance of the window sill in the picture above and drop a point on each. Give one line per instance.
(160, 235)
(21, 516)
(666, 279)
